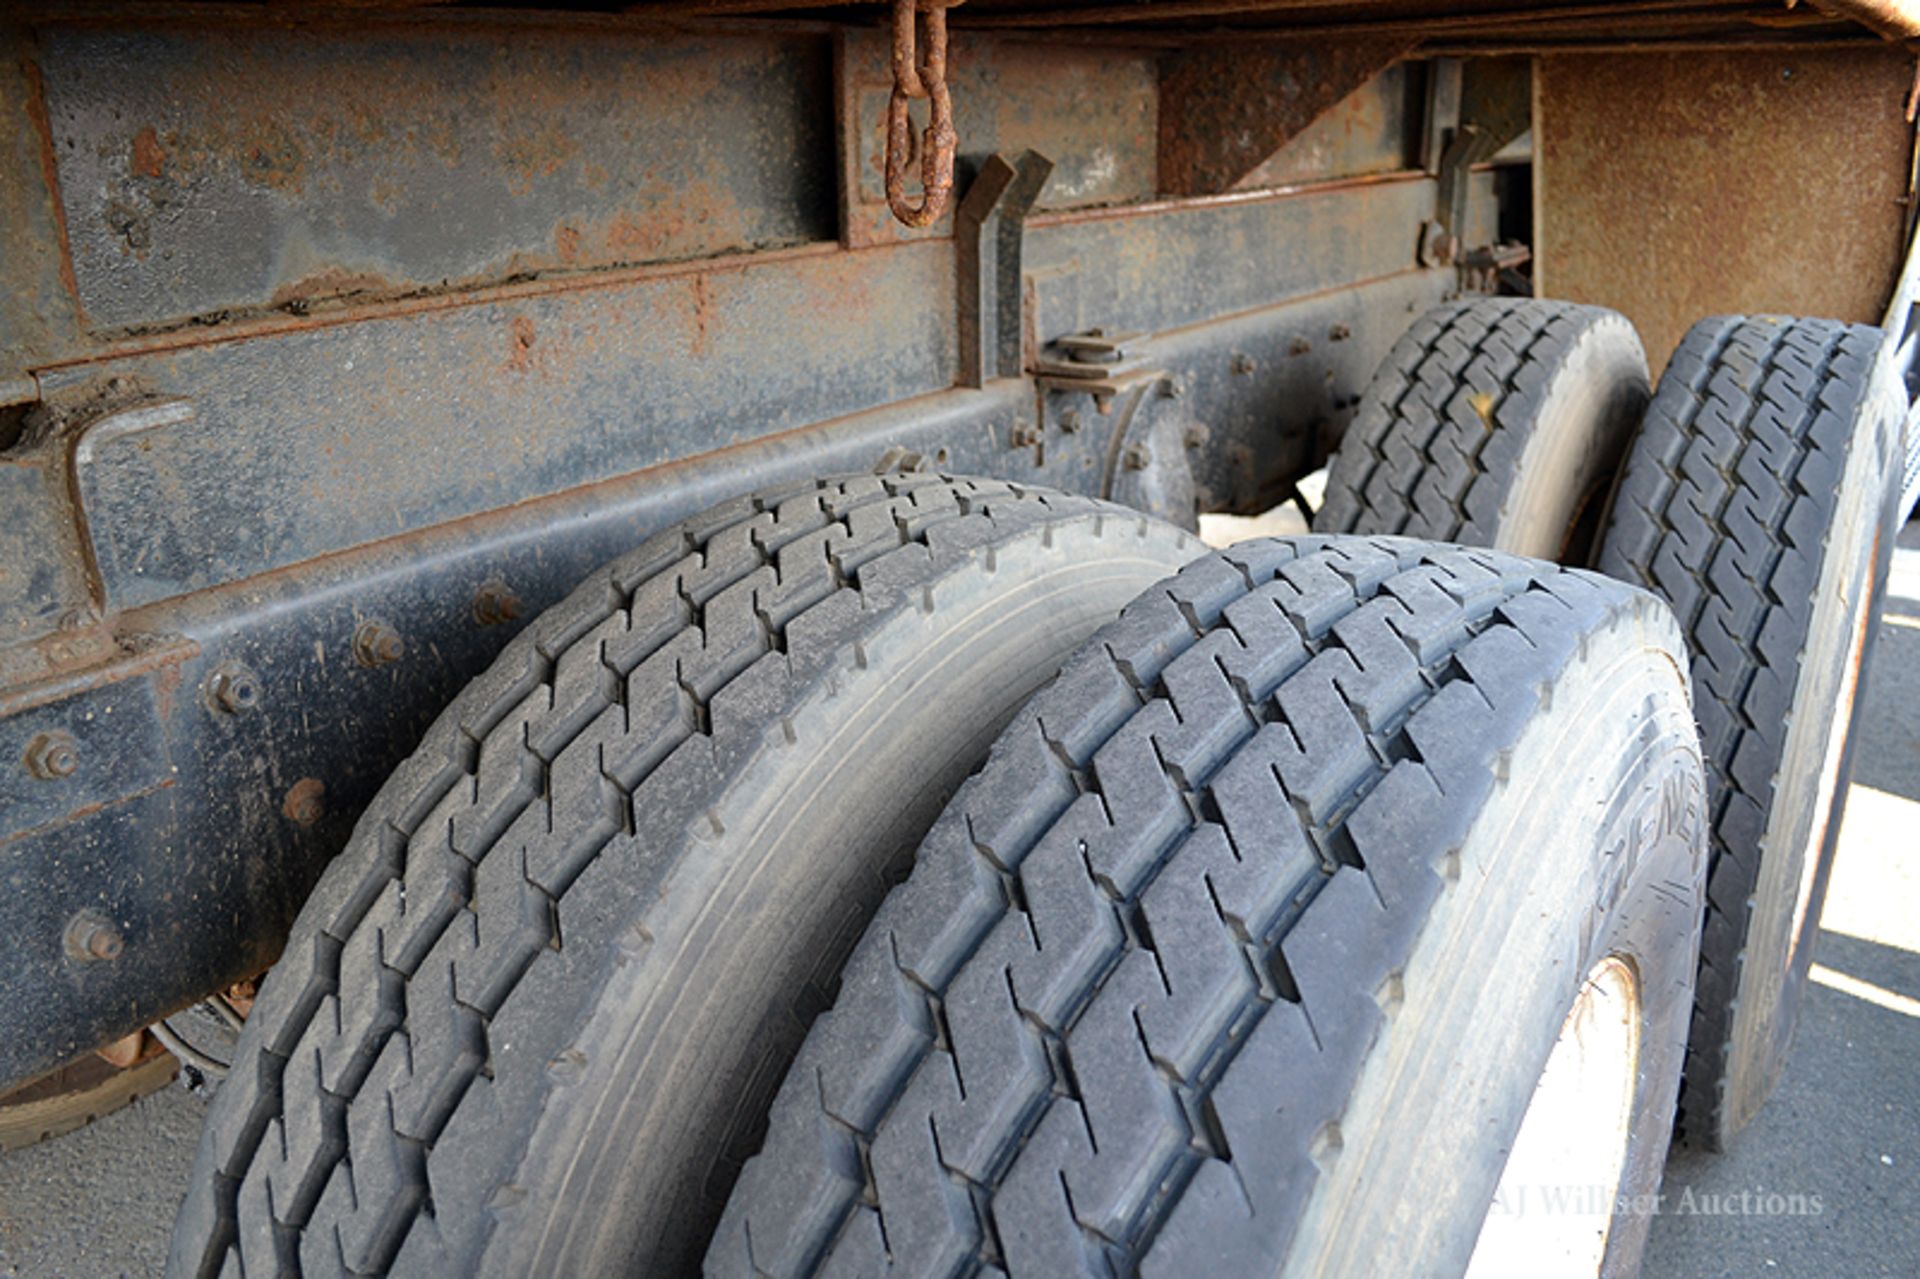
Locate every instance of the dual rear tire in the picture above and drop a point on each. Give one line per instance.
(1196, 970)
(1756, 495)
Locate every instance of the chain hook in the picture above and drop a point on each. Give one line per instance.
(920, 71)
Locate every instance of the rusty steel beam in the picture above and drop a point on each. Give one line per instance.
(1356, 20)
(1226, 109)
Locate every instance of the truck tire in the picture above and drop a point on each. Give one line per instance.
(1758, 501)
(530, 1019)
(1241, 954)
(1495, 422)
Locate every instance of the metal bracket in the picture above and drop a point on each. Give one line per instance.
(990, 229)
(1101, 364)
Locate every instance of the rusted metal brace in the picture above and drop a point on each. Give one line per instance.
(920, 72)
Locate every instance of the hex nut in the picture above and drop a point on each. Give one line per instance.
(1136, 457)
(51, 756)
(1243, 364)
(377, 644)
(1340, 332)
(1070, 421)
(233, 688)
(91, 937)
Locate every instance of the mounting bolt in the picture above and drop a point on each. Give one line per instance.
(92, 937)
(1299, 346)
(1196, 435)
(1340, 333)
(232, 688)
(494, 604)
(1024, 435)
(1172, 388)
(1070, 421)
(377, 644)
(1243, 363)
(51, 756)
(1136, 457)
(306, 801)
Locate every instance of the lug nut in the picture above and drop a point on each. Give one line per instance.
(377, 644)
(51, 756)
(93, 938)
(233, 688)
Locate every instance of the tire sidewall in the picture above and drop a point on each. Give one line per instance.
(590, 1205)
(1587, 419)
(1856, 555)
(1630, 885)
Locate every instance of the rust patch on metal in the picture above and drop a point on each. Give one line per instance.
(1226, 109)
(149, 159)
(50, 174)
(1743, 182)
(520, 345)
(306, 801)
(330, 283)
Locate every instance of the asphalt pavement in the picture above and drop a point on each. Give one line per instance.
(1824, 1184)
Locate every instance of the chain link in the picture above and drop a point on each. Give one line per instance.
(920, 71)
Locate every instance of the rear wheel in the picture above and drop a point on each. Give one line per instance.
(77, 1094)
(529, 1020)
(1759, 501)
(1249, 948)
(1495, 422)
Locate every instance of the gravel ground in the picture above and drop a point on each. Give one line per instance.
(1840, 1142)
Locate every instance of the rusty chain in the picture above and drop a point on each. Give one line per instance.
(920, 71)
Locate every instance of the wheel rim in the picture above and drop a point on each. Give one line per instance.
(1554, 1205)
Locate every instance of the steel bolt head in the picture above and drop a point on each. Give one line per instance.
(1243, 363)
(1070, 421)
(93, 938)
(51, 756)
(233, 688)
(495, 603)
(306, 801)
(1137, 458)
(377, 644)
